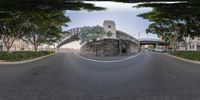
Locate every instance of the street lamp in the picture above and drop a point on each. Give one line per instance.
(139, 39)
(139, 35)
(142, 32)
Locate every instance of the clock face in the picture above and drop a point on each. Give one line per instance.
(109, 34)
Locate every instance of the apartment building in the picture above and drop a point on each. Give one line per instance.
(18, 45)
(193, 44)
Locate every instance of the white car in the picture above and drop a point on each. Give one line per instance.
(159, 50)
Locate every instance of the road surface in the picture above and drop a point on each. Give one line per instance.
(65, 76)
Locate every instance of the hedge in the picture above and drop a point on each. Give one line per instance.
(191, 55)
(22, 55)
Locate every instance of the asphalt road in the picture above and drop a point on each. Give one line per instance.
(65, 76)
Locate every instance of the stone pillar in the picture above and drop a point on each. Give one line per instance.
(110, 28)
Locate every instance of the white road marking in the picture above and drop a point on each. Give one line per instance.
(107, 61)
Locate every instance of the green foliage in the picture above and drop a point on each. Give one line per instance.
(166, 18)
(35, 27)
(22, 55)
(88, 33)
(191, 55)
(28, 5)
(11, 24)
(36, 21)
(44, 27)
(173, 22)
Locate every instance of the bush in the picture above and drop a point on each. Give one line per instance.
(191, 55)
(22, 55)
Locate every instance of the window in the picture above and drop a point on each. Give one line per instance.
(178, 47)
(190, 46)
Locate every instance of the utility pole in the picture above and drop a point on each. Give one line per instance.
(139, 40)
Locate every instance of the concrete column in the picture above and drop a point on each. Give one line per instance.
(154, 46)
(139, 46)
(120, 46)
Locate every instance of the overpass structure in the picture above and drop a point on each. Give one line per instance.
(71, 36)
(150, 41)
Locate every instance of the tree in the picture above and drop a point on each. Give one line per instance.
(94, 33)
(44, 27)
(88, 33)
(47, 5)
(174, 22)
(11, 24)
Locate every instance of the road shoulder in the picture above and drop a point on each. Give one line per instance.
(183, 59)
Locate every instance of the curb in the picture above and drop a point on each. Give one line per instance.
(112, 61)
(183, 59)
(26, 61)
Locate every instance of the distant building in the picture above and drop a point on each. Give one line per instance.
(20, 45)
(46, 47)
(193, 44)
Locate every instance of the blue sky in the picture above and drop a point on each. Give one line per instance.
(124, 15)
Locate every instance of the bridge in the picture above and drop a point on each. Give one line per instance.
(150, 41)
(71, 36)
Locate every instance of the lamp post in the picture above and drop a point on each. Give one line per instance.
(139, 40)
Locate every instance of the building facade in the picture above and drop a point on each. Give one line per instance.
(110, 28)
(20, 45)
(192, 44)
(115, 42)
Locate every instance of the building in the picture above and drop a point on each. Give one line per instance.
(193, 44)
(20, 45)
(115, 42)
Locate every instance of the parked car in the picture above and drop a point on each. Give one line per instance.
(159, 50)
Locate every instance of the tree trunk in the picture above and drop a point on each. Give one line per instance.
(186, 47)
(93, 44)
(35, 47)
(173, 46)
(95, 48)
(8, 42)
(8, 48)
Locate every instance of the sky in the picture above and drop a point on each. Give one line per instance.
(123, 14)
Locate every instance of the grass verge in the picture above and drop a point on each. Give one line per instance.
(22, 55)
(190, 55)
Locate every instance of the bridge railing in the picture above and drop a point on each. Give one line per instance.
(151, 39)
